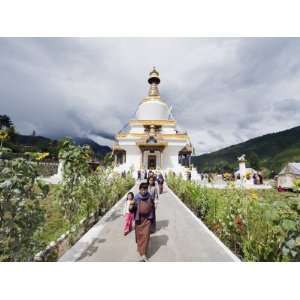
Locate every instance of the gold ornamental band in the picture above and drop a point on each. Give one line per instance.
(153, 122)
(179, 136)
(153, 98)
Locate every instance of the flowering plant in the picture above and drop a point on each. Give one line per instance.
(256, 225)
(227, 176)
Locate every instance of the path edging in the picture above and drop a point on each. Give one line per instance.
(209, 232)
(84, 242)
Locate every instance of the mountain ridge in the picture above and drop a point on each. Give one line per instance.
(268, 152)
(21, 143)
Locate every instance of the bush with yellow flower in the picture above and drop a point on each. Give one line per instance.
(227, 176)
(3, 137)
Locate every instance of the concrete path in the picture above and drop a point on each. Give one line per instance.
(180, 236)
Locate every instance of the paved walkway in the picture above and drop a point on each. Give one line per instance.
(180, 236)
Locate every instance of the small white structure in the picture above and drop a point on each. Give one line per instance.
(56, 178)
(242, 166)
(243, 172)
(152, 140)
(288, 174)
(244, 176)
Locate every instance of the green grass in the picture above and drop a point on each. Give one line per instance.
(55, 224)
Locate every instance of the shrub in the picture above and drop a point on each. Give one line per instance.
(256, 225)
(84, 192)
(21, 215)
(28, 223)
(75, 169)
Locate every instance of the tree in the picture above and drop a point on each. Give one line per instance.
(5, 121)
(75, 170)
(254, 161)
(11, 132)
(21, 213)
(108, 160)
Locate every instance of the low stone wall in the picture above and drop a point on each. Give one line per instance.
(57, 248)
(47, 169)
(44, 169)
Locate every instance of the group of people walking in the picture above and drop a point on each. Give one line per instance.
(140, 212)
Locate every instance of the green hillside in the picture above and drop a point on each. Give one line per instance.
(268, 153)
(19, 144)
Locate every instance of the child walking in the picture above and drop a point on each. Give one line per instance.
(128, 216)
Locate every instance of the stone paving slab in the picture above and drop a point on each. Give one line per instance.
(180, 236)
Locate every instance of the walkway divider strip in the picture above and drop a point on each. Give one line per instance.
(211, 234)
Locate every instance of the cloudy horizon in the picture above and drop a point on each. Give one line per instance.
(223, 90)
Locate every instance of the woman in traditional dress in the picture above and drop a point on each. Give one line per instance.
(143, 215)
(153, 190)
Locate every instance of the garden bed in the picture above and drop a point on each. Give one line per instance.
(35, 216)
(256, 225)
(55, 238)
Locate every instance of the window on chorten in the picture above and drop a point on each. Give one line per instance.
(151, 140)
(156, 128)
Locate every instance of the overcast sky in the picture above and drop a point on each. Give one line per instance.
(223, 91)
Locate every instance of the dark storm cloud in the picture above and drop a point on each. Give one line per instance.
(289, 106)
(223, 91)
(216, 135)
(266, 61)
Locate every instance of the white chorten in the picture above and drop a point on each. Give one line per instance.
(152, 140)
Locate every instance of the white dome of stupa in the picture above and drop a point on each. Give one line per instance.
(153, 110)
(152, 107)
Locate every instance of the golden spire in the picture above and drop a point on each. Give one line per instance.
(154, 81)
(154, 73)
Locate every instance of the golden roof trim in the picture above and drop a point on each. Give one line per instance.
(153, 98)
(122, 135)
(152, 122)
(177, 136)
(172, 135)
(158, 147)
(145, 144)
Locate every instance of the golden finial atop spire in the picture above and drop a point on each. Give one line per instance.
(154, 72)
(154, 81)
(154, 76)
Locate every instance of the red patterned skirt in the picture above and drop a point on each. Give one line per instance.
(142, 235)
